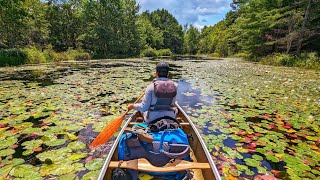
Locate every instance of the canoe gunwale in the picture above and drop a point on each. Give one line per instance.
(204, 147)
(115, 144)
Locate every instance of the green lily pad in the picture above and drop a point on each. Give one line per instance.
(79, 167)
(8, 142)
(54, 155)
(56, 142)
(6, 152)
(234, 172)
(77, 156)
(32, 144)
(71, 136)
(262, 170)
(4, 171)
(272, 158)
(91, 175)
(14, 162)
(25, 171)
(257, 157)
(30, 130)
(59, 168)
(249, 172)
(77, 145)
(95, 164)
(316, 172)
(252, 162)
(70, 176)
(27, 152)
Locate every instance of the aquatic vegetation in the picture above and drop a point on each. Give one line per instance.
(269, 115)
(257, 121)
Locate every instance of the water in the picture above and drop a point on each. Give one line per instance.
(233, 104)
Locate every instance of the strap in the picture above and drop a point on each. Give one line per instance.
(180, 155)
(164, 117)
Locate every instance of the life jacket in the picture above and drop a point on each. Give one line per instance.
(165, 91)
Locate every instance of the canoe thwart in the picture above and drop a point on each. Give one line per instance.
(181, 124)
(143, 164)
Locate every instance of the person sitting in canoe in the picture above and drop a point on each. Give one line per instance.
(160, 96)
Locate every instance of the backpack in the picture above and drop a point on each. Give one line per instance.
(168, 145)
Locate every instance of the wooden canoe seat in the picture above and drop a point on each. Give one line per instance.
(181, 124)
(143, 164)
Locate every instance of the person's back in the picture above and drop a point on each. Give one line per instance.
(160, 95)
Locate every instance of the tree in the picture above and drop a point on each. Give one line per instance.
(172, 31)
(13, 26)
(149, 36)
(191, 40)
(64, 23)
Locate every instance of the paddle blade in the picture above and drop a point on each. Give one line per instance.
(107, 132)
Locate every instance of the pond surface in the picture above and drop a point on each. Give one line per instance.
(257, 121)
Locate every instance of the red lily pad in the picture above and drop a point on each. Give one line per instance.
(247, 140)
(293, 135)
(3, 125)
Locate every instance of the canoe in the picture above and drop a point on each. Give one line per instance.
(202, 166)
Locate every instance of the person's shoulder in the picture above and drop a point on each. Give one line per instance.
(150, 86)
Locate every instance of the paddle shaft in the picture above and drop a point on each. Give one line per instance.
(134, 103)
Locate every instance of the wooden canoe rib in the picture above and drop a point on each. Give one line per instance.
(143, 164)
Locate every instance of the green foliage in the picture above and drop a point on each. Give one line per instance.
(110, 28)
(215, 39)
(164, 52)
(77, 55)
(305, 60)
(242, 55)
(12, 57)
(258, 28)
(191, 39)
(34, 56)
(149, 52)
(150, 36)
(169, 27)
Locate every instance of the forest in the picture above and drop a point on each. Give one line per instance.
(280, 32)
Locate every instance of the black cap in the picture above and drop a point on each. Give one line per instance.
(162, 68)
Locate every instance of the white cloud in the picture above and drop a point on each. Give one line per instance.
(189, 11)
(198, 26)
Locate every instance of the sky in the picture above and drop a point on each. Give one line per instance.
(196, 12)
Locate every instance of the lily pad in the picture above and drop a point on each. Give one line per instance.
(257, 157)
(54, 155)
(91, 175)
(59, 168)
(8, 142)
(79, 167)
(252, 162)
(95, 164)
(77, 145)
(25, 171)
(6, 152)
(77, 156)
(70, 176)
(56, 142)
(32, 144)
(272, 158)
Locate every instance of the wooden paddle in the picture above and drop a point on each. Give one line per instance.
(110, 129)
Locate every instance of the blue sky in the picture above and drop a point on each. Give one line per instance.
(196, 12)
